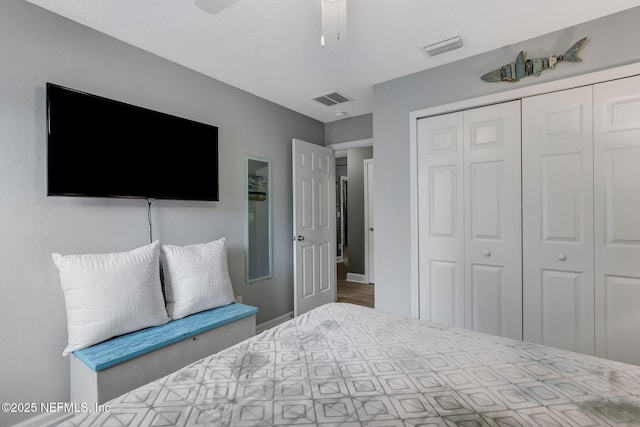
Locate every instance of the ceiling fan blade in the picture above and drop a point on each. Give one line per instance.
(214, 6)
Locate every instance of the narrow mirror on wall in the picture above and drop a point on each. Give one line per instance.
(258, 219)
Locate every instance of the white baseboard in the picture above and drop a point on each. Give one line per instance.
(356, 277)
(274, 322)
(46, 419)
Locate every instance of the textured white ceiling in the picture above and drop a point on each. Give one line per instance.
(271, 48)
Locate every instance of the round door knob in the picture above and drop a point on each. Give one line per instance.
(487, 253)
(562, 257)
(370, 228)
(300, 238)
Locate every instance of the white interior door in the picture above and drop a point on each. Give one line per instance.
(368, 221)
(441, 229)
(314, 226)
(492, 212)
(557, 181)
(617, 219)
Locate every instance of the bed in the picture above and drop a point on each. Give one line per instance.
(347, 365)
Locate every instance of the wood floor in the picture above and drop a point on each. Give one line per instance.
(354, 293)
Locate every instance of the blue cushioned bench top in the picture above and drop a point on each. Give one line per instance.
(125, 347)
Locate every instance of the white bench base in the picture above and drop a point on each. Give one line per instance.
(95, 388)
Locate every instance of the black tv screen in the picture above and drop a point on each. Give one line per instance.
(98, 147)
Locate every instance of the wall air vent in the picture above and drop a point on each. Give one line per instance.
(443, 46)
(332, 99)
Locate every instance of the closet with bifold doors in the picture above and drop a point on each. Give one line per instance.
(529, 219)
(557, 211)
(470, 248)
(581, 216)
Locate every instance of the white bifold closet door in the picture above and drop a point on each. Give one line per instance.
(557, 211)
(492, 211)
(441, 225)
(469, 204)
(617, 219)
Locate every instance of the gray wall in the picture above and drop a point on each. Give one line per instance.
(341, 167)
(613, 42)
(351, 129)
(355, 206)
(38, 46)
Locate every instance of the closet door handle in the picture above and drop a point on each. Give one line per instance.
(562, 257)
(487, 253)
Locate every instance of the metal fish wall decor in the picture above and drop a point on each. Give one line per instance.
(532, 67)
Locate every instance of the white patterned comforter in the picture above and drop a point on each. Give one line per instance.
(346, 365)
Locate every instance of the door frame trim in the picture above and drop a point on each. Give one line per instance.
(367, 223)
(343, 203)
(510, 95)
(357, 143)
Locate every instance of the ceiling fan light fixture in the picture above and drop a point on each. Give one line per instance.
(334, 24)
(214, 6)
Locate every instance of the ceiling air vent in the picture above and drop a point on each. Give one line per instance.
(332, 99)
(443, 46)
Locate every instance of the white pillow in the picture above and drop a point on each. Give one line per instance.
(110, 294)
(196, 278)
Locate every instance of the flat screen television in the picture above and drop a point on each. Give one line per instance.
(98, 147)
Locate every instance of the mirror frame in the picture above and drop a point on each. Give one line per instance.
(269, 197)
